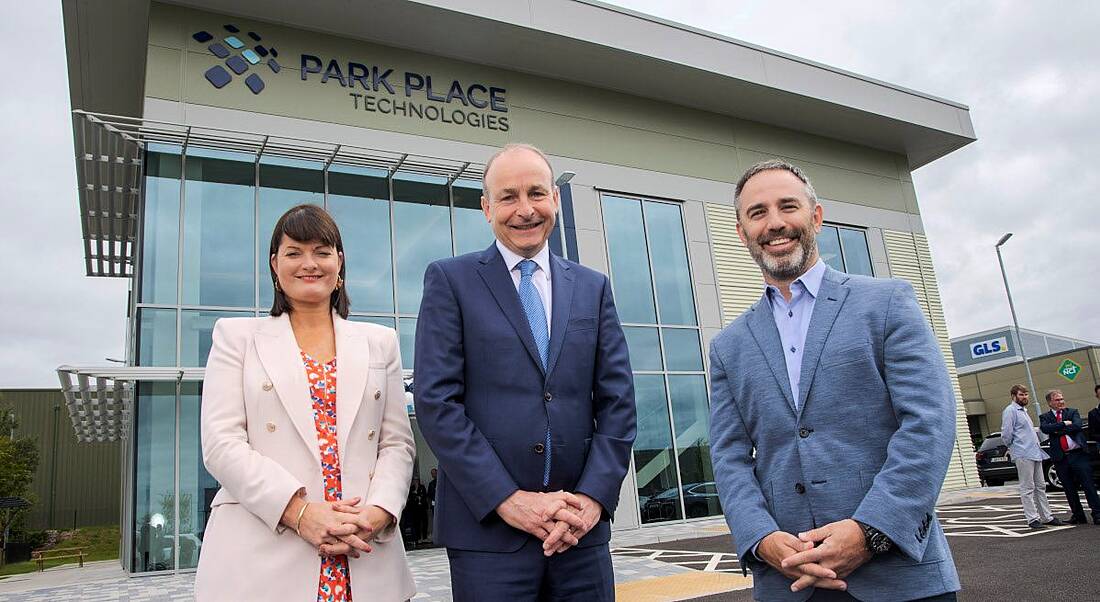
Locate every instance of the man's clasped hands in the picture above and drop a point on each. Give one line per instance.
(821, 558)
(559, 518)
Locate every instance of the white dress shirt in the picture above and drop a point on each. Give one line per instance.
(541, 277)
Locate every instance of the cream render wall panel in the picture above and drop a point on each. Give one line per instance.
(832, 182)
(910, 260)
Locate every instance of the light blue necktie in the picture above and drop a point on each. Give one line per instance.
(536, 318)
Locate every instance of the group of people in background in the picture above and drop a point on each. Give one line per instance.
(1068, 452)
(832, 419)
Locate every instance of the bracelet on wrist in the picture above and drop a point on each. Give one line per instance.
(298, 521)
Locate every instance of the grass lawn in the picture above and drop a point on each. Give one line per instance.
(99, 543)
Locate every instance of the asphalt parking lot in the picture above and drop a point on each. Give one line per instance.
(997, 555)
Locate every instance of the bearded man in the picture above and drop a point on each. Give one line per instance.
(832, 417)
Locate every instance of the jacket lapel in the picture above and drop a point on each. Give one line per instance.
(352, 361)
(279, 354)
(830, 298)
(561, 292)
(494, 272)
(764, 331)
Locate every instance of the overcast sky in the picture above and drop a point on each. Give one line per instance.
(1029, 71)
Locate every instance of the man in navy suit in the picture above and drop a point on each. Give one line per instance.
(525, 394)
(832, 417)
(1069, 453)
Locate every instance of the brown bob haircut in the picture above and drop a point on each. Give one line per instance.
(308, 223)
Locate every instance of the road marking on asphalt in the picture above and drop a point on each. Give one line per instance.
(708, 562)
(993, 520)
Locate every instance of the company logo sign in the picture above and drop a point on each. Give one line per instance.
(240, 52)
(984, 349)
(1069, 370)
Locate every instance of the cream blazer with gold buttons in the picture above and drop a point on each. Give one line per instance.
(260, 442)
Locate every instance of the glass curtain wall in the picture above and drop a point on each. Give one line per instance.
(207, 220)
(651, 279)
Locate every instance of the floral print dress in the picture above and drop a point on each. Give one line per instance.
(334, 584)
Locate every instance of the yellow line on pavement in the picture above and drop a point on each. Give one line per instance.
(680, 587)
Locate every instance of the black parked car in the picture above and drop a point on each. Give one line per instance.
(995, 465)
(700, 499)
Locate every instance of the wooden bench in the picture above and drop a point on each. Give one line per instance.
(41, 556)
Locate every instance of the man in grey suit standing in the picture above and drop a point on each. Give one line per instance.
(832, 417)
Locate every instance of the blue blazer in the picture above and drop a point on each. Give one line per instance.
(483, 400)
(870, 437)
(1049, 425)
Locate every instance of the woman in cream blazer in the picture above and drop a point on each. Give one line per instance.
(270, 522)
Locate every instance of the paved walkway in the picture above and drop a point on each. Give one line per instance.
(647, 567)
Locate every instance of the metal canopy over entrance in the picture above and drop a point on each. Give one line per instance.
(109, 156)
(101, 399)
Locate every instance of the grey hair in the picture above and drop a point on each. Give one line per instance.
(511, 146)
(773, 164)
(1051, 393)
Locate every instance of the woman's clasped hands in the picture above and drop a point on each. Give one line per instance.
(337, 527)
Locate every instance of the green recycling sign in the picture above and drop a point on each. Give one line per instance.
(1069, 370)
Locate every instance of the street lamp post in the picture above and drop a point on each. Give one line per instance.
(1016, 326)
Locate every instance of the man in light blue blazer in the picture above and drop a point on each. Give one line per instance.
(832, 417)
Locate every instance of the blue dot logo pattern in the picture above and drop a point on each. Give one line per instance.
(236, 53)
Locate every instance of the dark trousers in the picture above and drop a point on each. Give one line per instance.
(828, 595)
(526, 575)
(1076, 474)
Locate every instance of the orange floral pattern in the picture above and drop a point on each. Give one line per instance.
(334, 584)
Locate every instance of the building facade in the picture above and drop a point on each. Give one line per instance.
(991, 362)
(226, 114)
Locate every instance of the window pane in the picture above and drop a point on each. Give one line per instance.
(380, 320)
(856, 256)
(154, 477)
(160, 244)
(218, 259)
(622, 220)
(360, 205)
(284, 183)
(472, 231)
(682, 350)
(197, 487)
(668, 252)
(422, 233)
(828, 246)
(645, 348)
(658, 492)
(406, 339)
(690, 414)
(196, 329)
(156, 337)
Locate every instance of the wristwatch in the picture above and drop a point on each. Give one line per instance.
(876, 541)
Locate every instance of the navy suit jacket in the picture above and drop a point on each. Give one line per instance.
(483, 400)
(869, 437)
(1049, 424)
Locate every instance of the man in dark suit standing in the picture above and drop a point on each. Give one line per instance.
(1068, 452)
(525, 394)
(1094, 417)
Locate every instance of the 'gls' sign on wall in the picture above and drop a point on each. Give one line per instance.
(983, 349)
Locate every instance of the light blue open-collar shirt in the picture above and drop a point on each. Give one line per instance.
(792, 318)
(1018, 433)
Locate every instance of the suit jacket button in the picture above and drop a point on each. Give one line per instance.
(377, 394)
(271, 427)
(267, 385)
(370, 434)
(804, 432)
(799, 488)
(539, 448)
(547, 396)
